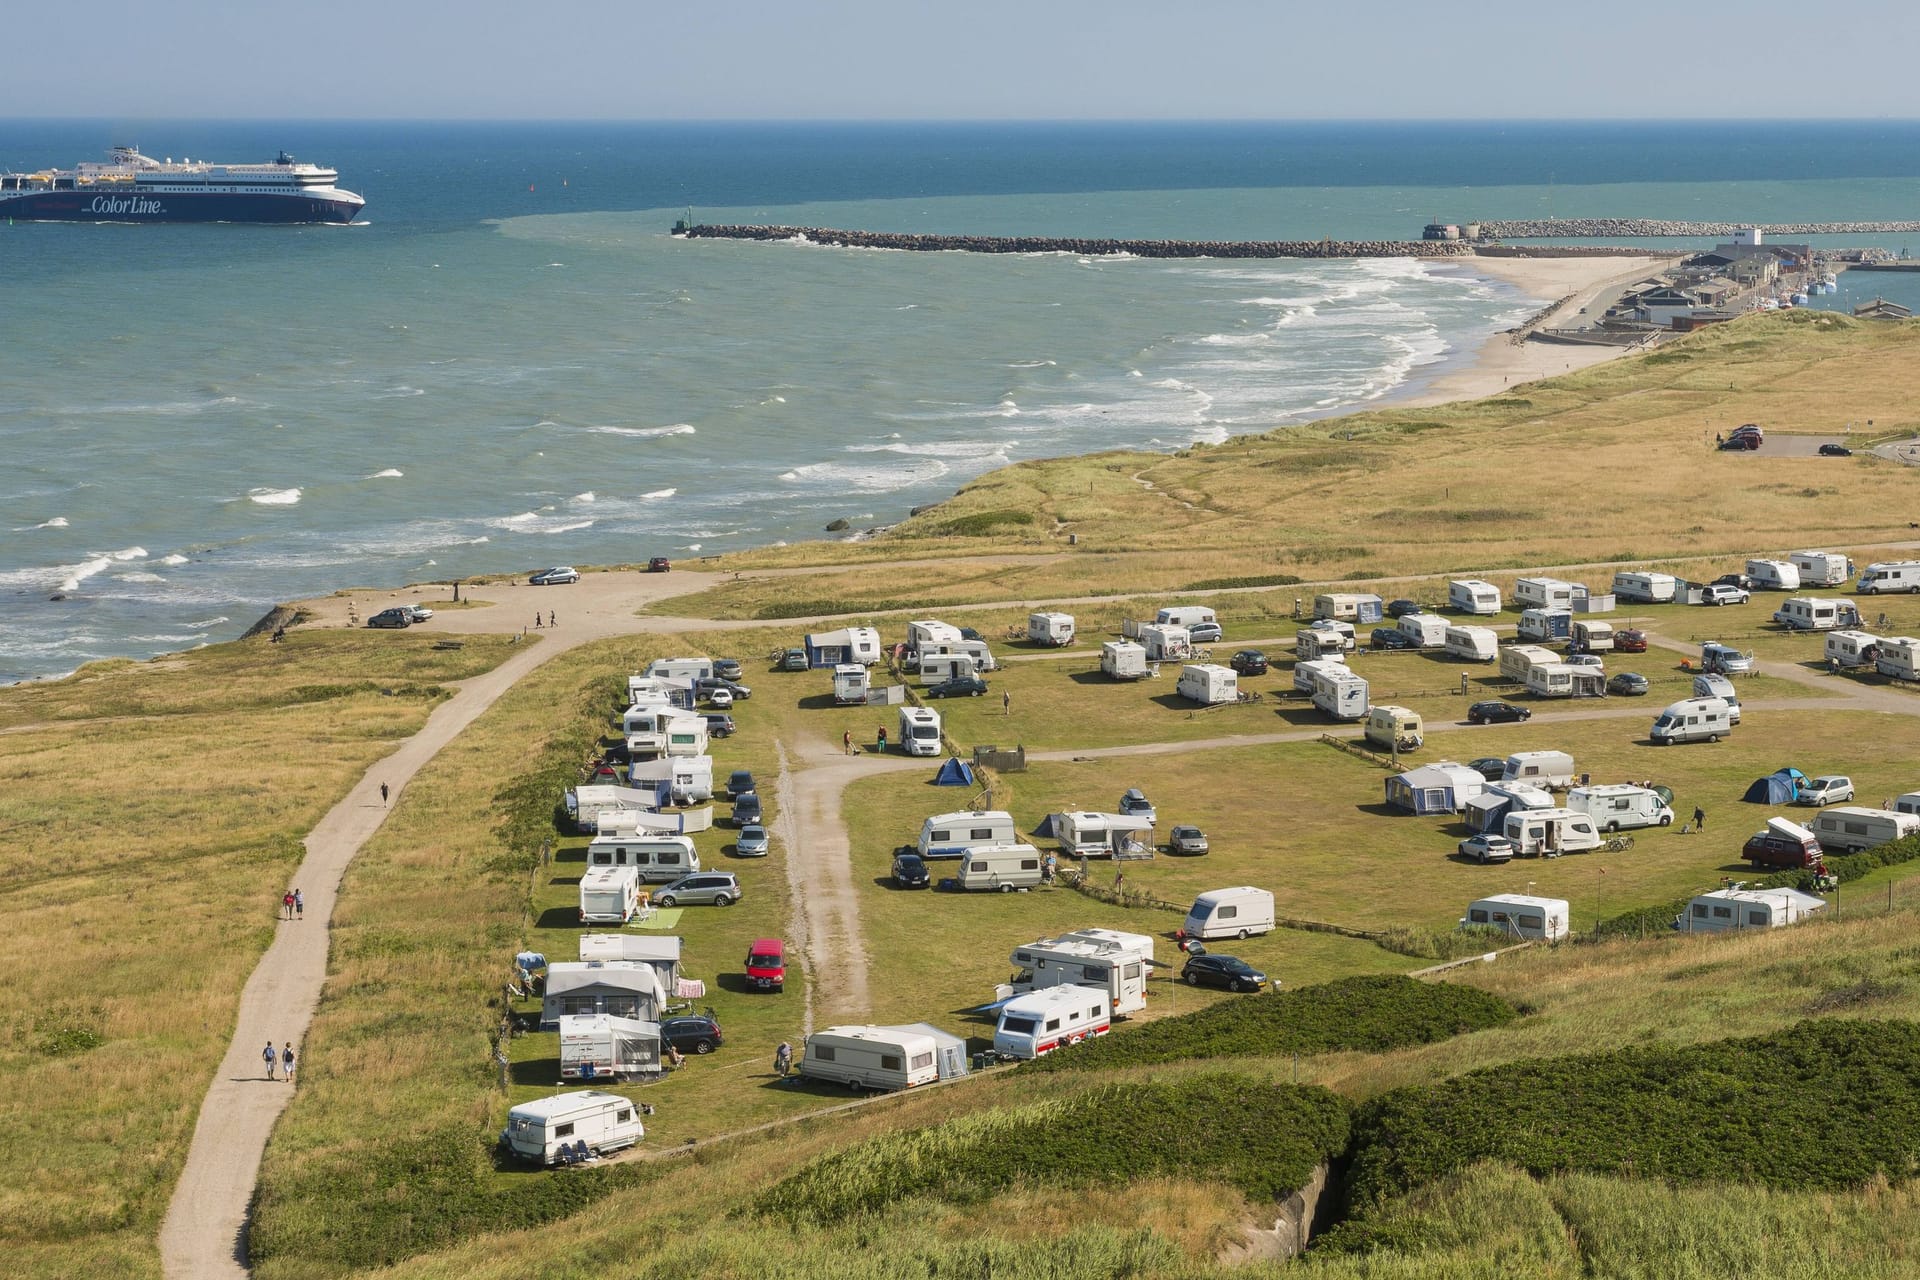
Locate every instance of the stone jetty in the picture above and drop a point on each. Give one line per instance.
(1578, 228)
(1087, 247)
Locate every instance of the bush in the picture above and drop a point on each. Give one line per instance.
(1825, 1105)
(980, 524)
(1253, 580)
(1263, 1139)
(1372, 1014)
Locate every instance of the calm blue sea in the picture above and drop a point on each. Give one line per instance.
(511, 364)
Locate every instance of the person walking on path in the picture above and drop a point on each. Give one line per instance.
(1006, 703)
(783, 1059)
(272, 1059)
(299, 906)
(383, 793)
(882, 740)
(286, 905)
(846, 741)
(286, 1061)
(550, 621)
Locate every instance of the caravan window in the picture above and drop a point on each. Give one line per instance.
(624, 1006)
(1529, 922)
(982, 833)
(1478, 915)
(1029, 864)
(1723, 913)
(1053, 1024)
(821, 1053)
(1225, 913)
(1500, 917)
(625, 1117)
(889, 1062)
(1094, 973)
(576, 1004)
(940, 835)
(1131, 971)
(1759, 917)
(1854, 828)
(979, 866)
(1699, 911)
(921, 1060)
(563, 1130)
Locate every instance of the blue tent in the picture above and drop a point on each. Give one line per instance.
(954, 773)
(1782, 786)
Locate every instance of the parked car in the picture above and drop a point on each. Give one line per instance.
(1401, 608)
(1492, 768)
(719, 724)
(958, 687)
(1187, 841)
(659, 564)
(1585, 660)
(720, 698)
(1206, 633)
(1739, 580)
(1630, 641)
(1496, 712)
(1249, 662)
(739, 783)
(1391, 638)
(910, 872)
(1770, 848)
(1134, 804)
(694, 1033)
(703, 888)
(1229, 973)
(751, 842)
(794, 660)
(746, 810)
(1721, 593)
(1630, 684)
(706, 685)
(1487, 847)
(420, 612)
(555, 576)
(398, 617)
(968, 633)
(1832, 789)
(727, 668)
(1831, 450)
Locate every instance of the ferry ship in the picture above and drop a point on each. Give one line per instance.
(132, 187)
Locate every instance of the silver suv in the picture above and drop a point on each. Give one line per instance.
(704, 888)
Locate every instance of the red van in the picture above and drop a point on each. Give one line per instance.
(767, 964)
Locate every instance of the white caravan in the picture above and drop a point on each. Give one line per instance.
(1899, 657)
(1472, 644)
(1544, 593)
(1324, 640)
(1550, 769)
(1104, 959)
(1427, 630)
(1644, 588)
(1889, 577)
(1520, 916)
(1166, 644)
(1693, 720)
(643, 690)
(609, 895)
(1710, 685)
(1591, 637)
(1186, 615)
(920, 731)
(1821, 568)
(1034, 1025)
(1084, 834)
(1618, 806)
(1054, 630)
(950, 835)
(1488, 811)
(936, 667)
(681, 668)
(653, 731)
(1541, 624)
(1773, 575)
(1849, 828)
(1816, 613)
(878, 1058)
(1471, 595)
(599, 1046)
(1344, 606)
(1001, 868)
(1336, 689)
(584, 805)
(1395, 728)
(1518, 659)
(1561, 680)
(1123, 660)
(976, 651)
(1728, 909)
(687, 737)
(1852, 648)
(927, 633)
(1239, 912)
(850, 684)
(540, 1130)
(656, 859)
(1209, 684)
(1548, 833)
(680, 780)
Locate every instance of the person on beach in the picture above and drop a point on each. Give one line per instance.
(550, 621)
(299, 905)
(272, 1059)
(286, 905)
(536, 619)
(286, 1061)
(383, 793)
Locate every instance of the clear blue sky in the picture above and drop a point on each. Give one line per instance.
(989, 59)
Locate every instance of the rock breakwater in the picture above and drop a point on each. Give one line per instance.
(1088, 247)
(1576, 228)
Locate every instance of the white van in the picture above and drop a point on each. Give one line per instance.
(1693, 720)
(1644, 588)
(950, 835)
(1189, 616)
(1520, 916)
(537, 1131)
(882, 1058)
(1907, 802)
(1034, 1025)
(1544, 593)
(1889, 576)
(1239, 912)
(1471, 595)
(1773, 575)
(1849, 828)
(987, 868)
(656, 859)
(1548, 833)
(1209, 684)
(1821, 568)
(1717, 686)
(920, 731)
(1618, 806)
(978, 650)
(1053, 630)
(1473, 644)
(851, 681)
(599, 1046)
(1552, 770)
(1123, 660)
(1816, 613)
(609, 895)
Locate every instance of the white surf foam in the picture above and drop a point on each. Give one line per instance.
(391, 473)
(58, 522)
(209, 622)
(274, 497)
(582, 497)
(843, 477)
(660, 493)
(175, 558)
(138, 577)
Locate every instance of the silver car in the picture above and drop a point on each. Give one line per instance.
(751, 842)
(703, 888)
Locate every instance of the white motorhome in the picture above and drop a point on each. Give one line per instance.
(1852, 648)
(1472, 644)
(1123, 660)
(1560, 680)
(585, 804)
(1898, 657)
(542, 1130)
(1544, 593)
(1773, 575)
(1710, 685)
(599, 1046)
(1209, 684)
(1539, 624)
(1821, 568)
(1518, 659)
(1548, 833)
(1053, 630)
(653, 731)
(1550, 769)
(1186, 615)
(687, 738)
(1395, 728)
(950, 835)
(1324, 640)
(1520, 915)
(1034, 1025)
(1239, 912)
(877, 1058)
(1816, 613)
(1849, 828)
(681, 668)
(683, 780)
(1304, 671)
(1428, 630)
(920, 731)
(928, 633)
(1728, 909)
(1105, 959)
(1001, 868)
(1166, 644)
(1471, 595)
(1889, 576)
(1617, 806)
(850, 684)
(609, 895)
(655, 859)
(1084, 834)
(1693, 720)
(1336, 689)
(1644, 588)
(1591, 637)
(1907, 802)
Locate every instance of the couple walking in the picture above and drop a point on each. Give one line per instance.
(282, 1059)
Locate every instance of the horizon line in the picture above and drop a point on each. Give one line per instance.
(1135, 121)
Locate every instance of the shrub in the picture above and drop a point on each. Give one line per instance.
(980, 524)
(1252, 580)
(1372, 1014)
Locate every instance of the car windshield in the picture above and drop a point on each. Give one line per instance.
(1232, 965)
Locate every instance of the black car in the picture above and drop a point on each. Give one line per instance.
(958, 687)
(1739, 580)
(727, 668)
(1492, 768)
(659, 564)
(402, 617)
(1497, 713)
(1835, 451)
(1229, 973)
(1249, 662)
(746, 809)
(968, 633)
(739, 782)
(910, 872)
(1392, 638)
(704, 688)
(1401, 608)
(694, 1033)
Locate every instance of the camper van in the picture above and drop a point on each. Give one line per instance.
(1427, 630)
(1229, 913)
(609, 895)
(541, 1130)
(1728, 909)
(1710, 685)
(1304, 670)
(1190, 616)
(1054, 630)
(1520, 916)
(1325, 640)
(655, 859)
(1395, 729)
(1123, 660)
(599, 1046)
(1889, 577)
(1898, 657)
(1543, 593)
(1034, 1025)
(920, 731)
(1336, 690)
(1471, 595)
(585, 804)
(1852, 648)
(1560, 680)
(1618, 806)
(1544, 625)
(1724, 659)
(928, 634)
(1821, 568)
(1209, 684)
(1548, 833)
(1166, 644)
(681, 669)
(1518, 659)
(1591, 637)
(1773, 575)
(850, 684)
(1085, 834)
(1849, 828)
(1472, 644)
(950, 835)
(1104, 959)
(999, 868)
(1644, 588)
(1347, 606)
(1550, 769)
(1693, 720)
(1816, 613)
(876, 1058)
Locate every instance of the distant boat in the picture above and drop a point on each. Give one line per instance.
(131, 187)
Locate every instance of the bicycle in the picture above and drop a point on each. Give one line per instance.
(1618, 844)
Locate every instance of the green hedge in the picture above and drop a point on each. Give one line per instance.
(1372, 1014)
(1821, 1105)
(1249, 580)
(1263, 1139)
